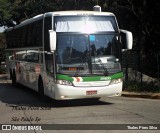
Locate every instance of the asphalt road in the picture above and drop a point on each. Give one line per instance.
(19, 105)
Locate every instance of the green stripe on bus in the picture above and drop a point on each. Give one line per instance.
(117, 75)
(95, 78)
(103, 78)
(63, 77)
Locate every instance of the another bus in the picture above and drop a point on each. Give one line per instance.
(68, 54)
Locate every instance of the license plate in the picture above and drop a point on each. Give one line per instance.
(92, 92)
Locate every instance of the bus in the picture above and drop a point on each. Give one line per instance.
(68, 54)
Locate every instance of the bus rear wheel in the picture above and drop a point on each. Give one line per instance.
(10, 71)
(14, 80)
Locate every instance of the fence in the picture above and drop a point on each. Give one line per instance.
(143, 69)
(2, 55)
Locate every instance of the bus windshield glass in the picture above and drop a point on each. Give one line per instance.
(85, 24)
(87, 54)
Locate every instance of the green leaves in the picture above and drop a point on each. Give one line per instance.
(4, 12)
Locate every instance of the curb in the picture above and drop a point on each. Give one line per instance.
(141, 95)
(3, 79)
(3, 75)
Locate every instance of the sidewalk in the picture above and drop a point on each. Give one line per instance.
(141, 95)
(3, 79)
(3, 76)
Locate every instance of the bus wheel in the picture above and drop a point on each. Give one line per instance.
(41, 89)
(10, 71)
(14, 78)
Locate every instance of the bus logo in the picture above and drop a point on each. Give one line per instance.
(77, 79)
(105, 78)
(6, 127)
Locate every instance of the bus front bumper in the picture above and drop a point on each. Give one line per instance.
(63, 92)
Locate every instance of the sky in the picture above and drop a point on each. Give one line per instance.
(2, 29)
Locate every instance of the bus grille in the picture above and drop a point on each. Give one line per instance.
(91, 84)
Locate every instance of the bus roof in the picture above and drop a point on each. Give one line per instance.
(70, 13)
(61, 13)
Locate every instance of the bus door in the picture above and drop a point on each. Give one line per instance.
(49, 65)
(32, 64)
(20, 61)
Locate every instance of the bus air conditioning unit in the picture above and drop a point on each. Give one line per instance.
(97, 8)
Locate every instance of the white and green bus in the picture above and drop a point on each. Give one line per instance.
(68, 54)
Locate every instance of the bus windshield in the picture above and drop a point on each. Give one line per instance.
(84, 55)
(85, 24)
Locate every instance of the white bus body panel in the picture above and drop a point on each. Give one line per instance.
(63, 92)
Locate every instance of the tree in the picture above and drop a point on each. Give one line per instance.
(140, 17)
(4, 12)
(24, 9)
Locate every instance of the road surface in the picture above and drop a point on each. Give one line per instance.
(20, 105)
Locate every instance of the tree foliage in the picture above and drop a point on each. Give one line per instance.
(5, 13)
(138, 16)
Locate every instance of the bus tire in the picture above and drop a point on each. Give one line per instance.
(10, 72)
(41, 89)
(14, 80)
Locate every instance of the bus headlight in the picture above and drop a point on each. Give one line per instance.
(64, 82)
(115, 81)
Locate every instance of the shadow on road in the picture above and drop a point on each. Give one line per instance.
(23, 96)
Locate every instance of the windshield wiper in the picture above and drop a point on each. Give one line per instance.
(104, 68)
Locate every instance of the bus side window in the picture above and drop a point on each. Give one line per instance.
(36, 57)
(48, 55)
(38, 33)
(33, 56)
(49, 63)
(41, 58)
(47, 27)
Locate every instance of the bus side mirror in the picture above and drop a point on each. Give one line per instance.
(52, 38)
(126, 39)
